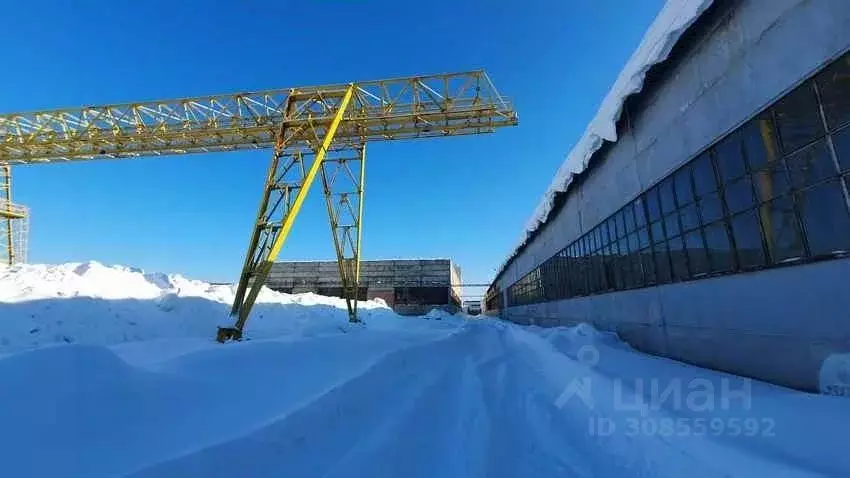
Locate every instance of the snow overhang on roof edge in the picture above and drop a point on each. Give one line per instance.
(672, 22)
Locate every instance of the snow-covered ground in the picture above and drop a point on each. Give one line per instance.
(112, 372)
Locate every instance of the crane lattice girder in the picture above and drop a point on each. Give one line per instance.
(412, 107)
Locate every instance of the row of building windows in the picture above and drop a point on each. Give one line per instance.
(773, 192)
(493, 300)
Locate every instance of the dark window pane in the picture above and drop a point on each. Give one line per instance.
(615, 250)
(834, 85)
(811, 165)
(593, 282)
(579, 278)
(671, 224)
(603, 273)
(637, 271)
(624, 247)
(772, 181)
(665, 192)
(781, 230)
(798, 118)
(759, 138)
(625, 268)
(730, 158)
(629, 215)
(704, 180)
(747, 234)
(657, 231)
(633, 242)
(653, 207)
(603, 228)
(710, 208)
(612, 229)
(621, 224)
(678, 258)
(617, 274)
(662, 263)
(610, 262)
(825, 218)
(689, 216)
(697, 256)
(719, 249)
(841, 141)
(739, 195)
(648, 266)
(684, 190)
(640, 213)
(643, 238)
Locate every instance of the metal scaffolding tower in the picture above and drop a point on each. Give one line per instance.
(313, 131)
(14, 223)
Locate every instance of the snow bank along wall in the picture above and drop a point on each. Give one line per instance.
(714, 230)
(410, 287)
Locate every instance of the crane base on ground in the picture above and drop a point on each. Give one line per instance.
(227, 334)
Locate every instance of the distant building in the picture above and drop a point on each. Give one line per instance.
(704, 215)
(410, 287)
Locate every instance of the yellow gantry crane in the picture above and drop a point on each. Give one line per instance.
(313, 131)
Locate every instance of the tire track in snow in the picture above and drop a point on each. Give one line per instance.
(526, 439)
(311, 440)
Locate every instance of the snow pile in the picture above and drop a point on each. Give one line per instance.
(651, 416)
(835, 375)
(96, 304)
(143, 390)
(480, 399)
(671, 23)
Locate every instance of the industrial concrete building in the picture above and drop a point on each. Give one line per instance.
(410, 287)
(710, 222)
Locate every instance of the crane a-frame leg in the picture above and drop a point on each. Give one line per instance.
(6, 216)
(287, 184)
(343, 178)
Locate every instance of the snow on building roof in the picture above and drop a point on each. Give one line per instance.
(671, 23)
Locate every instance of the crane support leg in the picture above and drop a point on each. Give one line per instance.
(6, 215)
(343, 178)
(287, 185)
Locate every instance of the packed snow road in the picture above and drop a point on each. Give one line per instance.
(310, 396)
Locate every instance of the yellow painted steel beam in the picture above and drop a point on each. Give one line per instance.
(9, 214)
(400, 108)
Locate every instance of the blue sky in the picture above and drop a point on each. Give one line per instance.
(466, 198)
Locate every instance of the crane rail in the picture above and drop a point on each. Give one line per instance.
(401, 108)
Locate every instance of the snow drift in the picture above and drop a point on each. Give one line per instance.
(91, 303)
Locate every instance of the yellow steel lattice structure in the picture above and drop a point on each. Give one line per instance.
(414, 107)
(14, 223)
(313, 131)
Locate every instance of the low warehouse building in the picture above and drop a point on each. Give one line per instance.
(704, 214)
(410, 287)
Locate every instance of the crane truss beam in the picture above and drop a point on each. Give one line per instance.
(412, 107)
